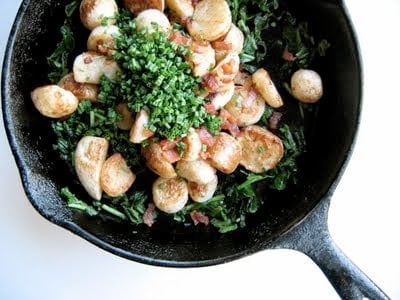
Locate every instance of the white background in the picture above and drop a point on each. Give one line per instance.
(41, 261)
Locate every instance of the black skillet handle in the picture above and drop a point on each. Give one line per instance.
(313, 239)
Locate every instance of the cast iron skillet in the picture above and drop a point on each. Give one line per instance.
(296, 219)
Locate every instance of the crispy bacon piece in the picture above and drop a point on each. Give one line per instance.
(198, 217)
(171, 155)
(232, 128)
(149, 215)
(167, 144)
(210, 82)
(210, 109)
(169, 151)
(229, 122)
(288, 56)
(249, 100)
(274, 119)
(206, 137)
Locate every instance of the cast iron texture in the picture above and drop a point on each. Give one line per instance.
(291, 219)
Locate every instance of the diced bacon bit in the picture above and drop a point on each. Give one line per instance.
(198, 217)
(87, 60)
(210, 82)
(229, 122)
(149, 215)
(167, 144)
(169, 151)
(274, 119)
(194, 2)
(222, 45)
(205, 137)
(211, 109)
(179, 38)
(288, 56)
(232, 128)
(249, 100)
(171, 155)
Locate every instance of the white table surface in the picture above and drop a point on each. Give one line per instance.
(39, 260)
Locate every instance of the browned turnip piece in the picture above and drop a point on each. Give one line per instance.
(156, 162)
(139, 131)
(266, 87)
(90, 155)
(202, 192)
(95, 12)
(83, 91)
(306, 86)
(88, 67)
(182, 8)
(211, 20)
(246, 106)
(53, 101)
(198, 171)
(153, 20)
(225, 154)
(261, 149)
(102, 39)
(170, 195)
(116, 177)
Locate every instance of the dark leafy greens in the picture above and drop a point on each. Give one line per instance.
(232, 202)
(58, 60)
(270, 31)
(129, 207)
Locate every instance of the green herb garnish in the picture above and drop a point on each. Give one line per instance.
(157, 78)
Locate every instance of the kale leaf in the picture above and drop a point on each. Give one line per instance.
(58, 59)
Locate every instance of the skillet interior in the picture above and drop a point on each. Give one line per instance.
(329, 142)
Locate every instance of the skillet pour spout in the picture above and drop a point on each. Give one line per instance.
(295, 219)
